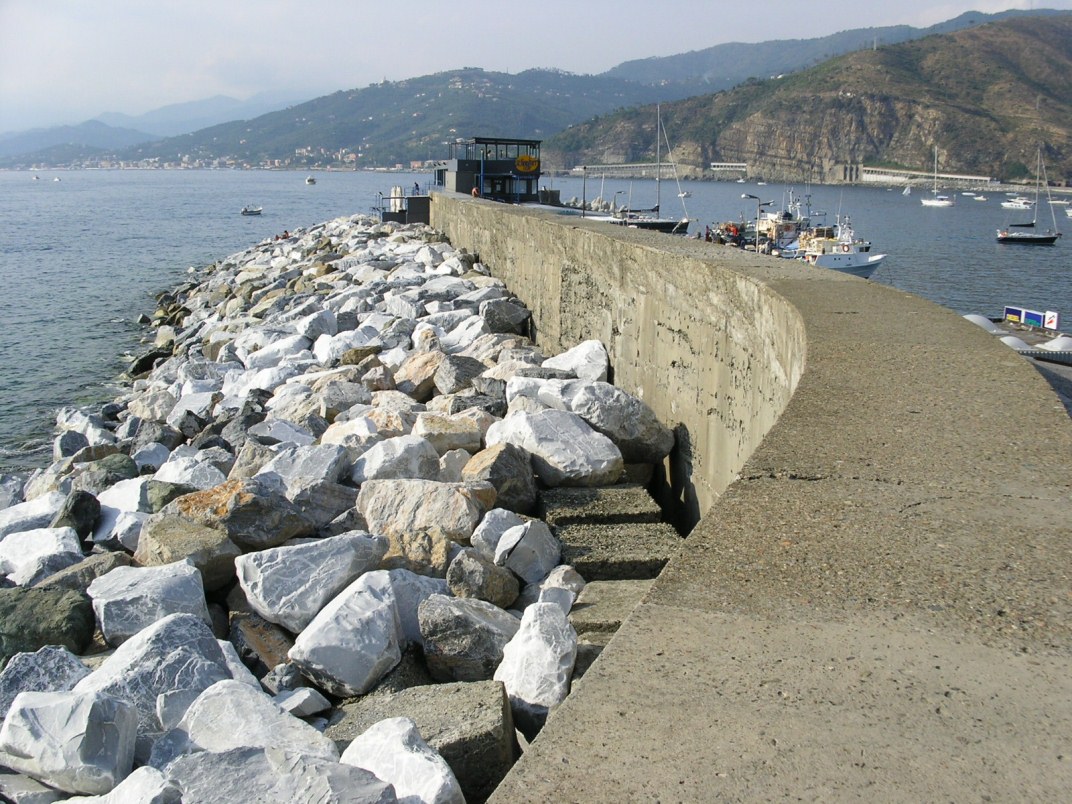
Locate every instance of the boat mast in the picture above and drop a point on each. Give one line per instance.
(658, 157)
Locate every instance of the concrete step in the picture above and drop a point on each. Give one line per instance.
(599, 611)
(604, 505)
(624, 551)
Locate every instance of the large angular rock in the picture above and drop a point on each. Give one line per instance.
(79, 576)
(565, 450)
(230, 714)
(530, 551)
(26, 556)
(80, 511)
(422, 519)
(273, 776)
(50, 669)
(190, 471)
(254, 516)
(625, 420)
(128, 599)
(33, 618)
(416, 376)
(505, 315)
(401, 457)
(289, 585)
(168, 539)
(508, 468)
(299, 469)
(468, 723)
(35, 513)
(78, 742)
(176, 657)
(491, 529)
(394, 751)
(260, 645)
(144, 785)
(537, 665)
(446, 433)
(352, 642)
(471, 574)
(463, 638)
(456, 372)
(586, 361)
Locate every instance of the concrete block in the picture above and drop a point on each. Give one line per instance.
(618, 552)
(594, 506)
(468, 723)
(602, 606)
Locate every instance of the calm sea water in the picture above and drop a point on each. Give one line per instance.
(83, 257)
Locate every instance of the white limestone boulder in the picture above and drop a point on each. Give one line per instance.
(289, 585)
(447, 432)
(537, 665)
(586, 361)
(230, 714)
(624, 419)
(48, 669)
(395, 752)
(352, 642)
(406, 456)
(302, 702)
(273, 776)
(491, 529)
(144, 785)
(529, 550)
(190, 471)
(77, 742)
(35, 513)
(126, 496)
(22, 554)
(565, 450)
(128, 599)
(297, 470)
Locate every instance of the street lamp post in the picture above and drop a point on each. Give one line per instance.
(759, 206)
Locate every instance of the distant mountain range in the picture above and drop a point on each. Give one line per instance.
(987, 97)
(403, 121)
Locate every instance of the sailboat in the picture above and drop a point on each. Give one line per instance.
(936, 200)
(1027, 233)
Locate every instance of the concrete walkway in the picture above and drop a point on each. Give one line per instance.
(879, 609)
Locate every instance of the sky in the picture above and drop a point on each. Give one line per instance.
(67, 61)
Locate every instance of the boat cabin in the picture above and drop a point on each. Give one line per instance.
(499, 169)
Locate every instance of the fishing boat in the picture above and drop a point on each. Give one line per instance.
(1028, 233)
(936, 200)
(252, 210)
(783, 229)
(837, 247)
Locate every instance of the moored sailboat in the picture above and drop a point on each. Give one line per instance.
(936, 200)
(1028, 233)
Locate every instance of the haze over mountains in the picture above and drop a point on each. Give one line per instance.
(402, 121)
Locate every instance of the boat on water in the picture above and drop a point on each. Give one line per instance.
(1018, 202)
(250, 210)
(310, 180)
(1068, 211)
(783, 228)
(936, 199)
(837, 247)
(1029, 233)
(980, 198)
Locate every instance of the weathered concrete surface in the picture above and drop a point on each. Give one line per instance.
(876, 600)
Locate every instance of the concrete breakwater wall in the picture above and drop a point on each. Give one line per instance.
(715, 354)
(875, 599)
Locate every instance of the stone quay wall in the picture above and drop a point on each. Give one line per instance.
(875, 596)
(716, 354)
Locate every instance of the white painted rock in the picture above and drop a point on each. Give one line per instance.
(176, 655)
(537, 665)
(128, 599)
(289, 585)
(273, 776)
(230, 714)
(78, 742)
(22, 552)
(352, 642)
(529, 550)
(587, 360)
(565, 450)
(394, 750)
(406, 456)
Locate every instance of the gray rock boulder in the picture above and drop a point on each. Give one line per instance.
(530, 551)
(23, 555)
(166, 539)
(407, 456)
(463, 638)
(508, 468)
(32, 618)
(471, 574)
(50, 669)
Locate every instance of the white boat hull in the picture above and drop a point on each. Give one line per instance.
(856, 263)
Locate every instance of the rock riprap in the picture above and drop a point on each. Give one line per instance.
(317, 490)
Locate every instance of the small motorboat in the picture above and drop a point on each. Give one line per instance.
(252, 210)
(310, 180)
